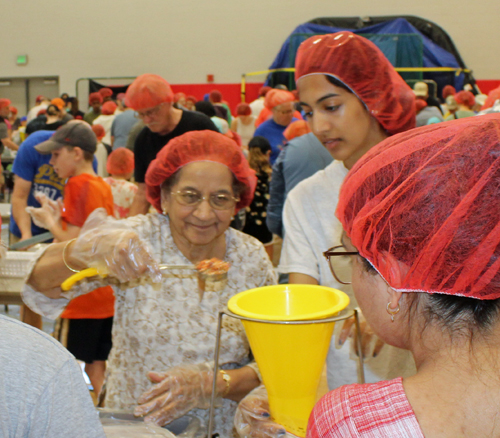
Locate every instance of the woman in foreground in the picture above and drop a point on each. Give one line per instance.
(422, 226)
(168, 330)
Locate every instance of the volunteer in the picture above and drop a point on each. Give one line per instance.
(420, 215)
(197, 182)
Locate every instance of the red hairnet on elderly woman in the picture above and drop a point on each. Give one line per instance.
(422, 230)
(165, 321)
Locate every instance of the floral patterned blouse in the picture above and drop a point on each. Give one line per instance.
(160, 326)
(123, 195)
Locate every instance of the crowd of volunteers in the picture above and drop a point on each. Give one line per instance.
(374, 187)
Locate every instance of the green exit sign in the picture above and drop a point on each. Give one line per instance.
(22, 59)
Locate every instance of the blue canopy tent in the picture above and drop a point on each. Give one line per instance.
(406, 41)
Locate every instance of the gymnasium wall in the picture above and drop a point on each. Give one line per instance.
(186, 40)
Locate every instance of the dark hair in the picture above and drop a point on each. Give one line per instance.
(205, 108)
(458, 315)
(337, 83)
(52, 110)
(260, 142)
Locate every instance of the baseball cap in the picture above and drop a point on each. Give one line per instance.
(421, 89)
(76, 133)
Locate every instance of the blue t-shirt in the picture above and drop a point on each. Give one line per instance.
(120, 129)
(274, 134)
(32, 166)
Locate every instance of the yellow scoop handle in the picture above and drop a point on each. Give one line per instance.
(70, 282)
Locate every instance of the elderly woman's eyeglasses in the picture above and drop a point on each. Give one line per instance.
(153, 112)
(340, 263)
(218, 201)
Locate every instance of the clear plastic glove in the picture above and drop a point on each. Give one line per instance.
(49, 212)
(176, 392)
(114, 249)
(252, 418)
(371, 344)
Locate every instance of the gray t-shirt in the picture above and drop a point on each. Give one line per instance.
(121, 127)
(43, 393)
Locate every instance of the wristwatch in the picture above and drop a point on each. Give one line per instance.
(227, 379)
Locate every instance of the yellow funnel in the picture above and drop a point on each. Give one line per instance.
(290, 357)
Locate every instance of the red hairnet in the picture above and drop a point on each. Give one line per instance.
(264, 90)
(39, 98)
(448, 90)
(120, 162)
(177, 96)
(276, 97)
(215, 96)
(493, 96)
(106, 92)
(95, 97)
(99, 131)
(192, 99)
(420, 104)
(13, 110)
(4, 103)
(41, 112)
(362, 67)
(148, 91)
(108, 108)
(422, 207)
(243, 109)
(465, 98)
(199, 146)
(296, 129)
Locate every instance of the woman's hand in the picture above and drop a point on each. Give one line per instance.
(252, 418)
(48, 214)
(176, 392)
(113, 248)
(371, 344)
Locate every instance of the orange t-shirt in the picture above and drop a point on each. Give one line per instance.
(82, 195)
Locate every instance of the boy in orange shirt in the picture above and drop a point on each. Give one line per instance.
(91, 315)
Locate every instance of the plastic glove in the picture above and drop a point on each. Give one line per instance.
(177, 391)
(113, 248)
(252, 418)
(371, 344)
(49, 212)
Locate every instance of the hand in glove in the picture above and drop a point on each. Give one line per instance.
(252, 418)
(113, 248)
(49, 212)
(176, 392)
(371, 344)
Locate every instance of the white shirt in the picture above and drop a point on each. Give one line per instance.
(106, 121)
(257, 106)
(311, 227)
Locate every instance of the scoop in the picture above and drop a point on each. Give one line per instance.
(212, 269)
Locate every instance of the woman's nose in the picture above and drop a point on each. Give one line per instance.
(320, 124)
(203, 210)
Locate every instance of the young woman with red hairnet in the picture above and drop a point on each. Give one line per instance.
(421, 220)
(197, 182)
(465, 101)
(353, 99)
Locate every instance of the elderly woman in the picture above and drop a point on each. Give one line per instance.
(421, 220)
(197, 182)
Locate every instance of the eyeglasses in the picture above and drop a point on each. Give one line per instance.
(340, 263)
(192, 198)
(153, 112)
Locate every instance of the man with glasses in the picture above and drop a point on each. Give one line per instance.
(152, 99)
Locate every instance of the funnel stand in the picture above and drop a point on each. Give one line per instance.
(345, 315)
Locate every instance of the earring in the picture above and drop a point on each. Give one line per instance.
(392, 312)
(164, 211)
